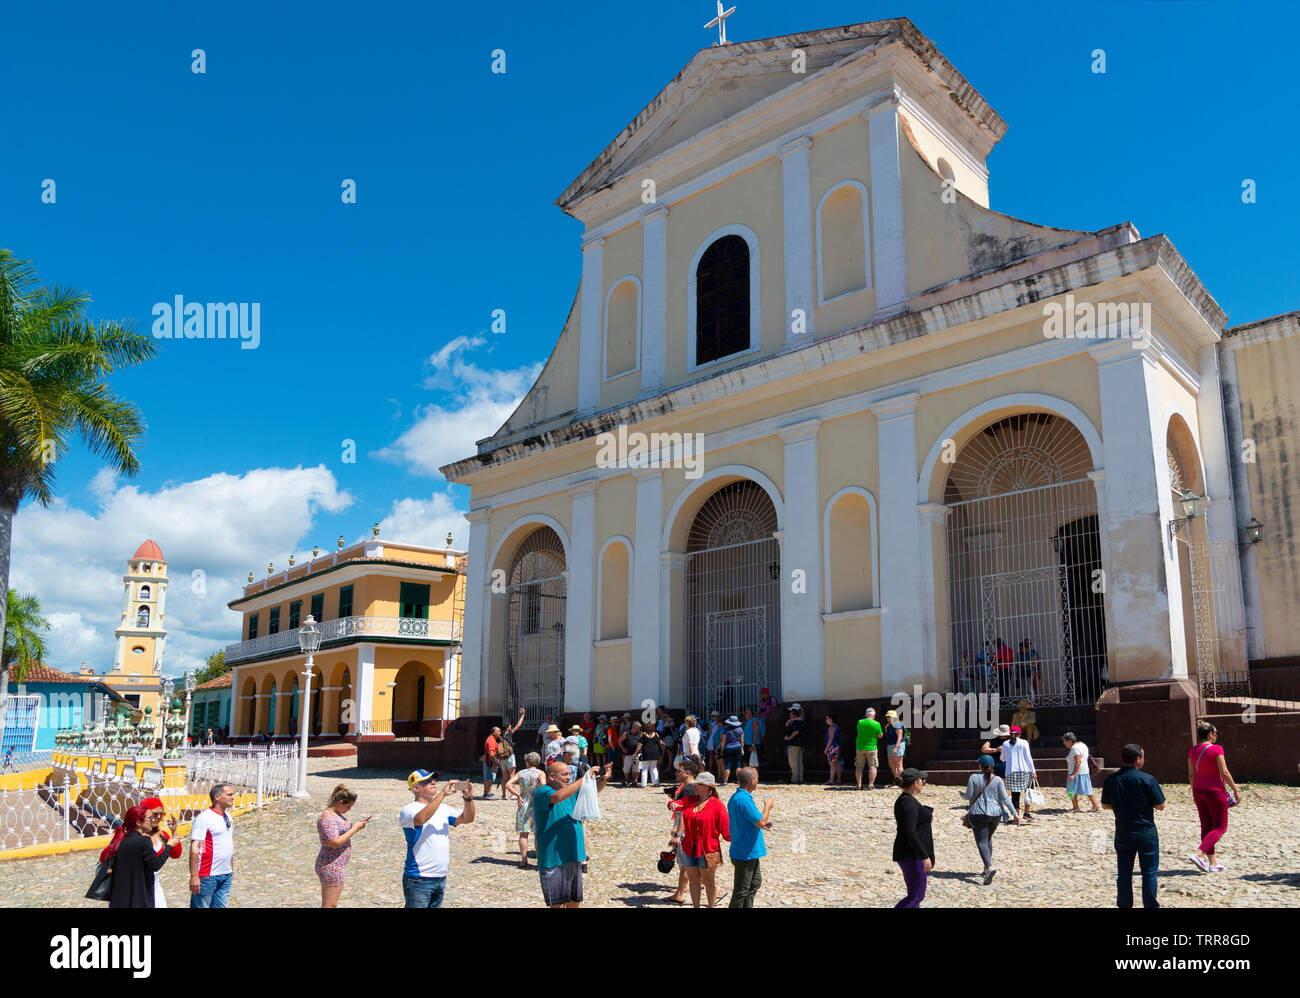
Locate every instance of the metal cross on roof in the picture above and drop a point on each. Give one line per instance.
(721, 22)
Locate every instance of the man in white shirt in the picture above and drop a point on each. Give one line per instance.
(691, 739)
(426, 824)
(212, 851)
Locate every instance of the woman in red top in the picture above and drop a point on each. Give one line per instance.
(1207, 772)
(161, 844)
(704, 824)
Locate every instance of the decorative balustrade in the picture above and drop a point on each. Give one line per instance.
(347, 628)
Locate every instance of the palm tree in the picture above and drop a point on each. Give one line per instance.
(54, 366)
(23, 644)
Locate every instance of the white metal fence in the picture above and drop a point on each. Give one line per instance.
(61, 811)
(20, 762)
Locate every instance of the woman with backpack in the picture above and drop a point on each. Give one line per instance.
(1207, 772)
(733, 748)
(896, 743)
(988, 801)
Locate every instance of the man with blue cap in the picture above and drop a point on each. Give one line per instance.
(988, 796)
(426, 824)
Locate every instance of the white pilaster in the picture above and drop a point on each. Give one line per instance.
(932, 518)
(590, 331)
(364, 688)
(888, 250)
(474, 657)
(901, 629)
(1143, 567)
(672, 566)
(796, 205)
(580, 599)
(802, 674)
(654, 305)
(648, 665)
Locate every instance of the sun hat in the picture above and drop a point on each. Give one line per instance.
(571, 740)
(1003, 731)
(551, 728)
(891, 713)
(986, 760)
(576, 727)
(421, 776)
(796, 706)
(603, 717)
(714, 713)
(708, 779)
(732, 722)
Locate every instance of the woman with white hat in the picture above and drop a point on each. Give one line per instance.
(896, 740)
(704, 826)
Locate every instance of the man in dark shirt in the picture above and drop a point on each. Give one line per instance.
(1134, 796)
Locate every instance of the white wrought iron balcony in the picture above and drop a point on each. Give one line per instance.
(362, 628)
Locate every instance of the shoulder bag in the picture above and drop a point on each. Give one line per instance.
(1034, 796)
(101, 888)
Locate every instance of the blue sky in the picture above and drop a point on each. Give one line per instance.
(225, 186)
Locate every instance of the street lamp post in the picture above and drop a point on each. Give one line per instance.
(168, 685)
(190, 683)
(308, 642)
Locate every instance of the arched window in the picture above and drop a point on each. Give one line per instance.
(622, 328)
(142, 617)
(843, 267)
(722, 300)
(144, 592)
(850, 551)
(147, 569)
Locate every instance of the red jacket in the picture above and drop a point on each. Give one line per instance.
(702, 829)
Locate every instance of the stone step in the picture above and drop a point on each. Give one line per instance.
(1046, 777)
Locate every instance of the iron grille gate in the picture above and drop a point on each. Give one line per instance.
(535, 649)
(1025, 566)
(733, 626)
(1220, 630)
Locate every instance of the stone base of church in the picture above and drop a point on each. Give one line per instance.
(1159, 715)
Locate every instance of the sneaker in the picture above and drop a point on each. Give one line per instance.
(1217, 868)
(489, 796)
(1200, 861)
(988, 875)
(584, 867)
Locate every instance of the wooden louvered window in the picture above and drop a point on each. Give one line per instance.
(722, 300)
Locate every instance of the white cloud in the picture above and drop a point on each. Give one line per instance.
(220, 526)
(426, 522)
(485, 398)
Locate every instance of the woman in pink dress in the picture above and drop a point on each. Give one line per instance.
(335, 833)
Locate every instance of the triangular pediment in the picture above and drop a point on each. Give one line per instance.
(722, 82)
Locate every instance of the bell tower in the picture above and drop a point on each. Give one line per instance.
(142, 631)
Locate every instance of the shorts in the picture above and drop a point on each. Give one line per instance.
(896, 751)
(627, 763)
(507, 763)
(732, 759)
(561, 884)
(691, 861)
(868, 757)
(833, 753)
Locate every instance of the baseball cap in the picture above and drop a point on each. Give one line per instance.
(421, 776)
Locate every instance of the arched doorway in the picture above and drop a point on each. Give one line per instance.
(534, 659)
(345, 707)
(1026, 588)
(247, 704)
(732, 628)
(413, 693)
(270, 707)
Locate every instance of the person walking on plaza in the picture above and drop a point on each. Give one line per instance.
(212, 851)
(733, 748)
(134, 861)
(687, 770)
(746, 823)
(754, 728)
(896, 743)
(521, 787)
(989, 800)
(599, 737)
(1020, 768)
(914, 840)
(630, 744)
(869, 734)
(794, 739)
(426, 824)
(491, 766)
(1207, 772)
(560, 844)
(832, 751)
(651, 749)
(335, 832)
(704, 826)
(553, 748)
(162, 842)
(993, 746)
(1134, 797)
(691, 739)
(1078, 782)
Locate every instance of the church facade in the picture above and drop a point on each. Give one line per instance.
(821, 421)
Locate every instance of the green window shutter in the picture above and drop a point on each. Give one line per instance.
(273, 625)
(252, 626)
(345, 601)
(318, 607)
(414, 599)
(295, 614)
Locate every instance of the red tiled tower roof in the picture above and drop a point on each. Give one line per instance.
(148, 551)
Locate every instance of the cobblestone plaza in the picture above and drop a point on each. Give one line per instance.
(828, 848)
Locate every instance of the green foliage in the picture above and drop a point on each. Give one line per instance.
(24, 625)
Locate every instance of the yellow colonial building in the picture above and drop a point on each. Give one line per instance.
(823, 421)
(389, 660)
(141, 634)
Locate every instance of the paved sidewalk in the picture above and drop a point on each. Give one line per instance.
(829, 847)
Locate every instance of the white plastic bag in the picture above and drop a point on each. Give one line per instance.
(587, 806)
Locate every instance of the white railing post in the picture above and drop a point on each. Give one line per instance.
(67, 810)
(261, 778)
